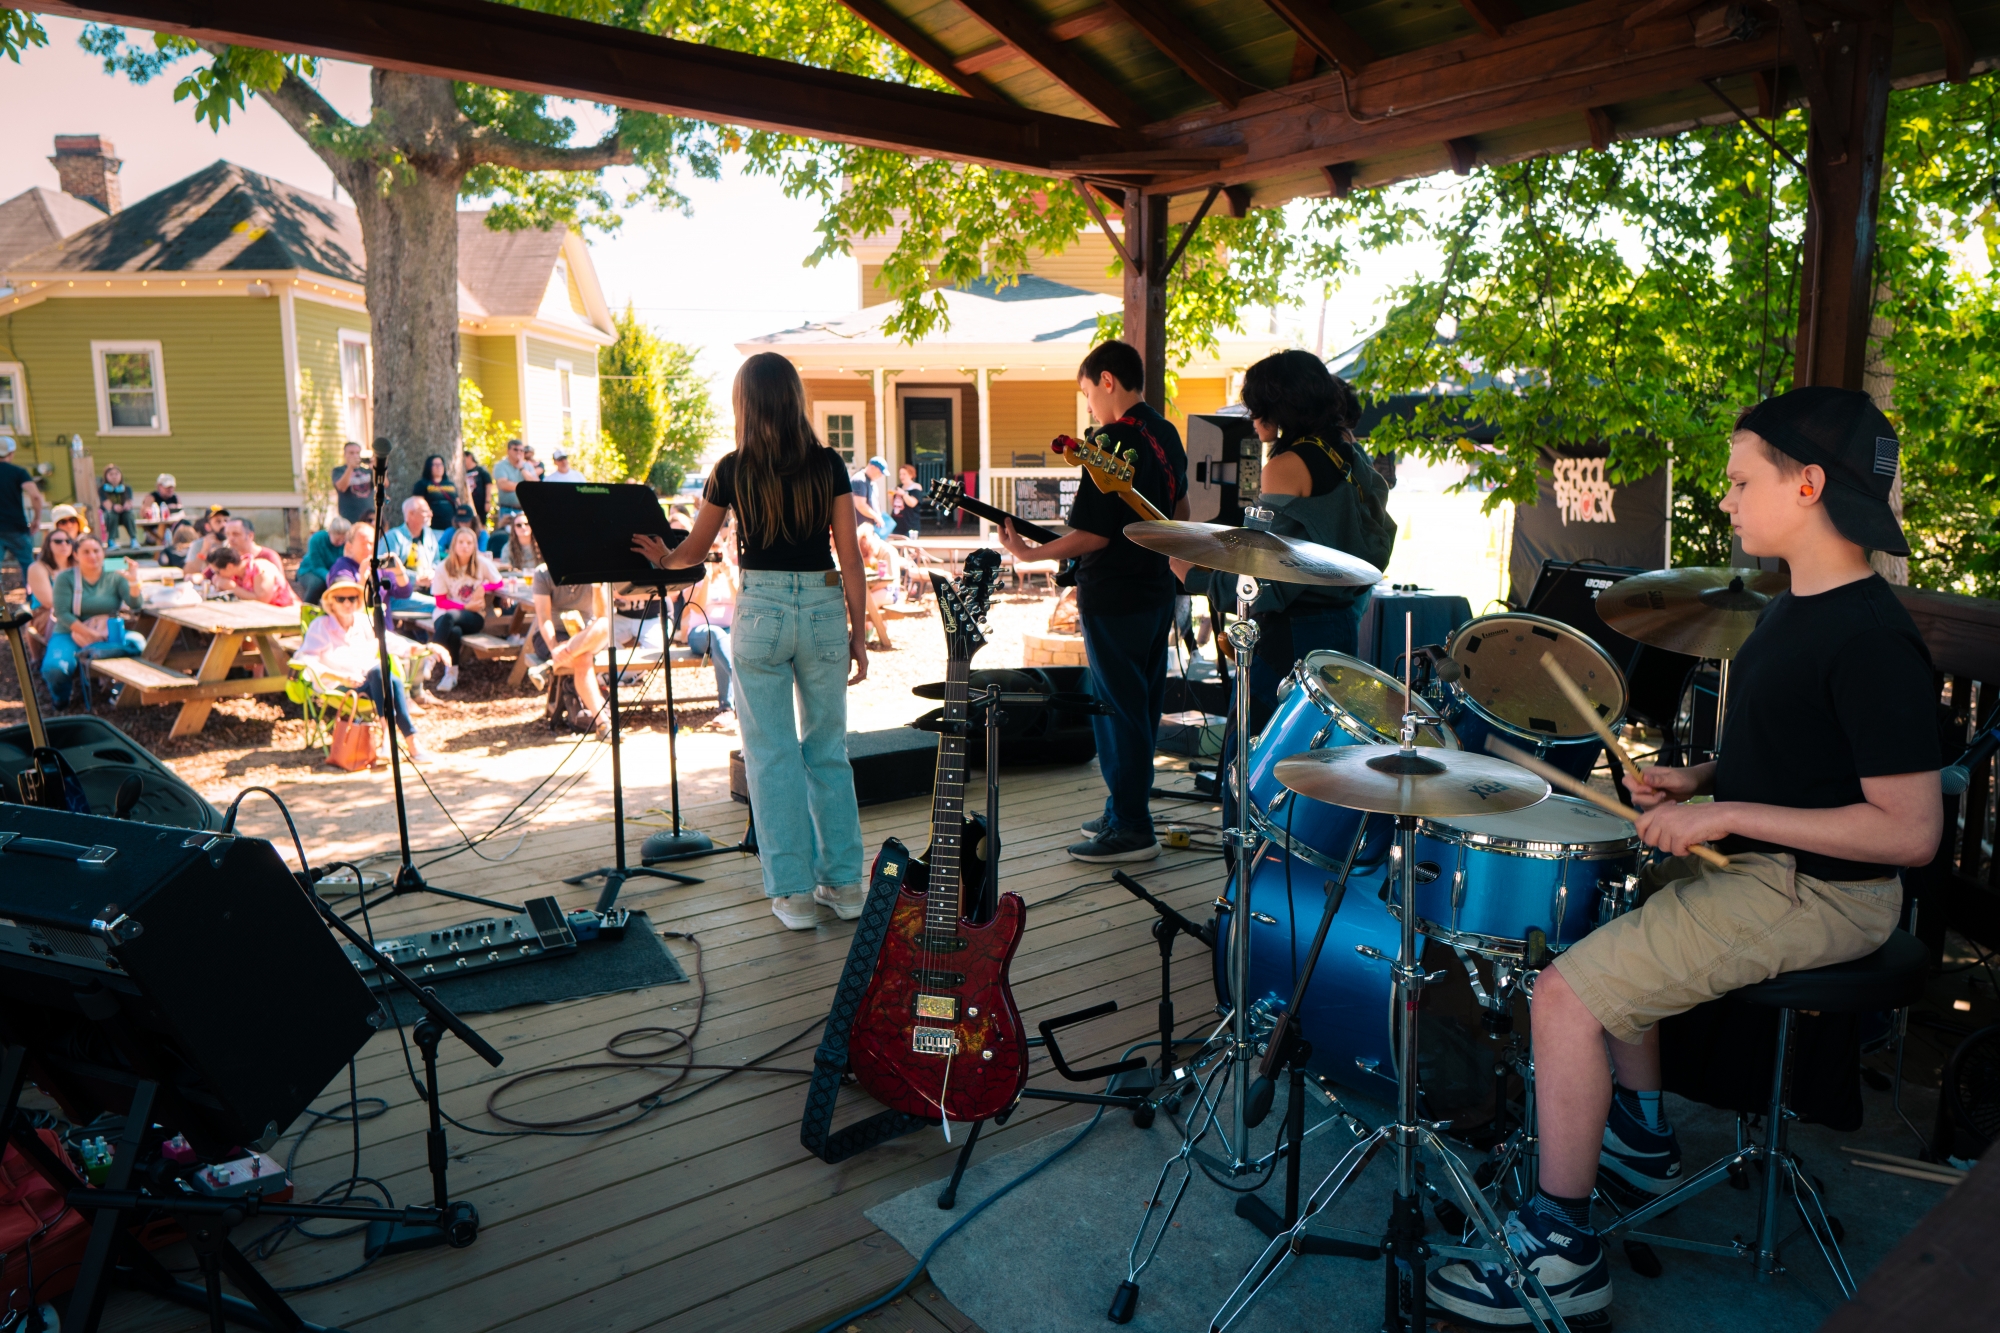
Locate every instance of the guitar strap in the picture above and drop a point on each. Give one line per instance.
(830, 1060)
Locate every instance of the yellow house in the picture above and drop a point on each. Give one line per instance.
(983, 398)
(218, 330)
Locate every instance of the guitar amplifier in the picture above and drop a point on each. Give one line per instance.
(892, 765)
(194, 959)
(1655, 678)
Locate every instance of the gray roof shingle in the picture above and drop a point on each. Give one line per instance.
(37, 218)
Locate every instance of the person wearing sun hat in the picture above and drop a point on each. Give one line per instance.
(340, 646)
(1827, 784)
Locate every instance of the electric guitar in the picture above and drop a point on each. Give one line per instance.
(948, 493)
(937, 1034)
(48, 780)
(1112, 473)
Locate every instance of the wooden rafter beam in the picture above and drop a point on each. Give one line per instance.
(506, 47)
(1492, 16)
(1957, 47)
(1329, 34)
(1018, 29)
(1547, 65)
(1157, 24)
(895, 28)
(1062, 30)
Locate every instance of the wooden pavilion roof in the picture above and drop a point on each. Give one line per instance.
(1269, 99)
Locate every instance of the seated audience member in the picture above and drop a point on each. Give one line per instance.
(551, 646)
(906, 501)
(88, 601)
(58, 553)
(180, 546)
(213, 530)
(167, 509)
(322, 549)
(436, 488)
(241, 534)
(116, 508)
(340, 649)
(884, 568)
(518, 552)
(67, 518)
(352, 562)
(410, 550)
(460, 584)
(252, 580)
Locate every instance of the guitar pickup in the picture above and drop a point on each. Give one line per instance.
(934, 1041)
(941, 1007)
(938, 980)
(940, 943)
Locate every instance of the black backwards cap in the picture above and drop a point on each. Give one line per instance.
(1842, 431)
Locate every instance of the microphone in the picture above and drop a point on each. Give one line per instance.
(1959, 776)
(1442, 664)
(1265, 1087)
(382, 447)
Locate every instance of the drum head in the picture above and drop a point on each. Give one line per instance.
(1500, 663)
(1368, 702)
(1560, 825)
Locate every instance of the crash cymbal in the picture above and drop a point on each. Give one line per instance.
(1261, 555)
(1428, 782)
(1702, 611)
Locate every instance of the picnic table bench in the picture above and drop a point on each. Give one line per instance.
(149, 680)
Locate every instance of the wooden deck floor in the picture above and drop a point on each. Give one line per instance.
(708, 1214)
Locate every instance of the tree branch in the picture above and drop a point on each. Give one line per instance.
(309, 114)
(485, 146)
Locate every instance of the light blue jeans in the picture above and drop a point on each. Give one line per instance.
(789, 651)
(59, 658)
(714, 641)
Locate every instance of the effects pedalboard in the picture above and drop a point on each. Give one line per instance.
(543, 931)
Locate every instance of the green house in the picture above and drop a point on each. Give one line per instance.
(218, 330)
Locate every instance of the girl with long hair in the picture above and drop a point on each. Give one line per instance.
(58, 554)
(460, 584)
(796, 627)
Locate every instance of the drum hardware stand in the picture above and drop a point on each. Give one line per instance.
(1403, 1243)
(1517, 1151)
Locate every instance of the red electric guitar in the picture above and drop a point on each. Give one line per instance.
(937, 1033)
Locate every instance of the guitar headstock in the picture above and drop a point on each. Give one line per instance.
(962, 603)
(946, 492)
(1112, 471)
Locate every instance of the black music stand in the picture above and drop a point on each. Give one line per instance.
(584, 533)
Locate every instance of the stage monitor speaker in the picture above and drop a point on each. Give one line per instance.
(1029, 735)
(132, 951)
(104, 758)
(1225, 463)
(891, 765)
(1654, 678)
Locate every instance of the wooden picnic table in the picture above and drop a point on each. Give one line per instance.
(149, 680)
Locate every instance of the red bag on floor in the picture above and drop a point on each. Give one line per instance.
(35, 1223)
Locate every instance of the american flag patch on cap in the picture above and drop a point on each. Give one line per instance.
(1886, 451)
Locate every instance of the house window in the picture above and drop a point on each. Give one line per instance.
(13, 406)
(357, 387)
(131, 388)
(841, 426)
(563, 374)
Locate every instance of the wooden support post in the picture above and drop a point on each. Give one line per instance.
(1598, 120)
(1844, 162)
(1464, 154)
(1146, 288)
(1339, 178)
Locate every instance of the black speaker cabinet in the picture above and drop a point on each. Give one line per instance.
(891, 765)
(104, 757)
(132, 951)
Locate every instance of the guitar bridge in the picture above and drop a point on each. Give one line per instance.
(942, 1007)
(934, 1041)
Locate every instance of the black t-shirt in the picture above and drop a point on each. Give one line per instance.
(1124, 576)
(812, 551)
(1828, 690)
(357, 502)
(481, 483)
(442, 497)
(13, 517)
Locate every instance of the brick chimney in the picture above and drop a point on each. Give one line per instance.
(87, 168)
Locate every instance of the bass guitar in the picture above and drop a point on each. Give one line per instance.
(937, 1033)
(1111, 471)
(48, 780)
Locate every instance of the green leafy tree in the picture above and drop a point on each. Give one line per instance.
(485, 434)
(692, 421)
(648, 385)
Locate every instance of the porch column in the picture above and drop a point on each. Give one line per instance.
(982, 386)
(1146, 288)
(1844, 161)
(882, 427)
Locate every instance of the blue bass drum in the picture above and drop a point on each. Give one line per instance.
(1504, 690)
(1559, 867)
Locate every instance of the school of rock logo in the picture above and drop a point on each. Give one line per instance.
(1582, 493)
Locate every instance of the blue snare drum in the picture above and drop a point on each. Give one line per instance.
(1503, 690)
(1549, 867)
(1330, 699)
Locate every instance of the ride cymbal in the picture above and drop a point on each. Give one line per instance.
(1261, 555)
(1703, 611)
(1386, 780)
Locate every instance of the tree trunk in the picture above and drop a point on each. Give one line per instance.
(1878, 379)
(409, 223)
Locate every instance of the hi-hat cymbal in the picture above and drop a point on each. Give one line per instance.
(1702, 611)
(1261, 555)
(1430, 782)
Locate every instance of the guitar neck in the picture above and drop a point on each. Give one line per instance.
(943, 898)
(1141, 506)
(28, 701)
(995, 514)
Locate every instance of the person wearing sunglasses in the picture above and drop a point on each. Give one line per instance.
(89, 600)
(58, 553)
(340, 649)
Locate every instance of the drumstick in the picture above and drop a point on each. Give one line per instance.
(1556, 776)
(1582, 704)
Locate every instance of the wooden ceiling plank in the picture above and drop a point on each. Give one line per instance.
(507, 47)
(1025, 34)
(895, 28)
(1315, 21)
(1157, 24)
(1492, 16)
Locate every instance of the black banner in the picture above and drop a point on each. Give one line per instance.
(1578, 515)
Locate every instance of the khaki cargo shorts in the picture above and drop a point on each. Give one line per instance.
(1702, 932)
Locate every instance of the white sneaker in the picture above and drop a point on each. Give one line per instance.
(723, 721)
(449, 681)
(797, 911)
(419, 754)
(846, 903)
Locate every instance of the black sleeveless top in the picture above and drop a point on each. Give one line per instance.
(1328, 463)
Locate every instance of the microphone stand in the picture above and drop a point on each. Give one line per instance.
(408, 878)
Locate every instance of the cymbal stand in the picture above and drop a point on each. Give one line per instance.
(1402, 1244)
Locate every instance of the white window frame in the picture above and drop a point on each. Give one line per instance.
(12, 372)
(151, 347)
(566, 400)
(859, 411)
(365, 435)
